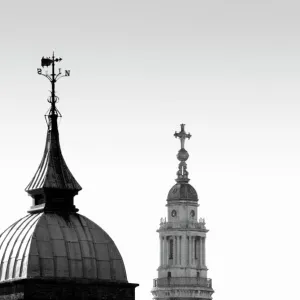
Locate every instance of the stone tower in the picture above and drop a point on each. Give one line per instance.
(182, 273)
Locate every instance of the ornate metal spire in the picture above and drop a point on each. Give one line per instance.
(182, 156)
(53, 184)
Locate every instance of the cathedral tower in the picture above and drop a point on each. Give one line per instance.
(182, 273)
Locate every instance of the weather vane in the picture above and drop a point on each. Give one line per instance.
(53, 78)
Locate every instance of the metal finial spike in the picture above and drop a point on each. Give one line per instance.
(182, 156)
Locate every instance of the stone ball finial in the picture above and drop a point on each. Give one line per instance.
(182, 155)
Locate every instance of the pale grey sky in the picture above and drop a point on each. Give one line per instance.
(230, 70)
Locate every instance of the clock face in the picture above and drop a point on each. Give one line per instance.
(192, 213)
(173, 213)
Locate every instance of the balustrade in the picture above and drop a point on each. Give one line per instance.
(187, 225)
(182, 281)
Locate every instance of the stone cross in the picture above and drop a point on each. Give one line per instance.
(182, 135)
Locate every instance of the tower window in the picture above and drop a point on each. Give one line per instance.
(169, 274)
(171, 244)
(196, 248)
(39, 199)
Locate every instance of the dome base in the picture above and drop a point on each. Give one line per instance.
(41, 289)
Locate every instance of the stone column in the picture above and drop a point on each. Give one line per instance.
(161, 250)
(193, 249)
(165, 250)
(198, 249)
(190, 250)
(178, 250)
(204, 258)
(183, 250)
(201, 252)
(174, 250)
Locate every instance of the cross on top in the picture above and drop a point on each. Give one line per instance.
(182, 135)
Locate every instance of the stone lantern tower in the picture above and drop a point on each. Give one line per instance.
(182, 273)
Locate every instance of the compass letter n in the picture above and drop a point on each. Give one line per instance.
(67, 72)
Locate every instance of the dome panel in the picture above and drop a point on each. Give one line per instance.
(34, 266)
(48, 245)
(104, 267)
(59, 248)
(119, 267)
(86, 250)
(90, 268)
(102, 251)
(62, 267)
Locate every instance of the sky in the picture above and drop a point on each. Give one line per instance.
(229, 70)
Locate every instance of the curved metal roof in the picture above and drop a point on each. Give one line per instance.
(182, 191)
(53, 171)
(48, 245)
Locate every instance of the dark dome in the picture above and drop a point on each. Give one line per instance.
(182, 191)
(49, 245)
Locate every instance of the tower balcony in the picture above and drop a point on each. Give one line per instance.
(183, 225)
(182, 282)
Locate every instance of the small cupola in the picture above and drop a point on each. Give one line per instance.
(53, 186)
(182, 190)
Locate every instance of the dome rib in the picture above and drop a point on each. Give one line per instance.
(23, 257)
(8, 230)
(91, 251)
(13, 243)
(45, 221)
(10, 272)
(39, 178)
(23, 251)
(7, 241)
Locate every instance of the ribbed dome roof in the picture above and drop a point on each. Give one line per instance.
(182, 191)
(48, 245)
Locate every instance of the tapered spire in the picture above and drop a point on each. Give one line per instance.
(53, 185)
(182, 156)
